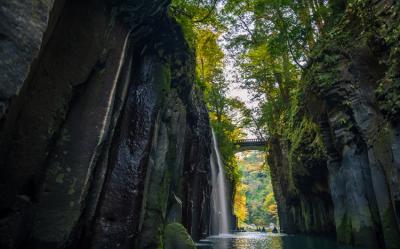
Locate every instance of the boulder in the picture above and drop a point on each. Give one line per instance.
(176, 237)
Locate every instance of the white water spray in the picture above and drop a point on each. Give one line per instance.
(219, 189)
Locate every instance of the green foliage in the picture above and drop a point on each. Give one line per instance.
(226, 133)
(203, 28)
(271, 40)
(194, 15)
(388, 91)
(256, 186)
(240, 203)
(271, 207)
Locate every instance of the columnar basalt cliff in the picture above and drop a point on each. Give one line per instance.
(353, 94)
(103, 138)
(336, 171)
(300, 181)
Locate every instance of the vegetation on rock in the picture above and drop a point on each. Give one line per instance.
(176, 237)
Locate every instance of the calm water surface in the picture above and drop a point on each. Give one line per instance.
(253, 240)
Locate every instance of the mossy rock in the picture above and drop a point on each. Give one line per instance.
(176, 237)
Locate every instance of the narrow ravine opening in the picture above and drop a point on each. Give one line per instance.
(254, 201)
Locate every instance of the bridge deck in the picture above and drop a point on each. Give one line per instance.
(253, 140)
(251, 143)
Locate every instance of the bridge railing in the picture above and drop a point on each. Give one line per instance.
(253, 140)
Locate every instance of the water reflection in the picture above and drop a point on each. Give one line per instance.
(250, 240)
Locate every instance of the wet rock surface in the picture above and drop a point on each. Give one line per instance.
(351, 95)
(107, 141)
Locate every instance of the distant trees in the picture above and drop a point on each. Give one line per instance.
(270, 205)
(240, 203)
(254, 198)
(271, 41)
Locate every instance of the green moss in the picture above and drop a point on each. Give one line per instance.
(307, 146)
(390, 231)
(368, 24)
(388, 94)
(163, 79)
(60, 178)
(344, 231)
(176, 237)
(388, 91)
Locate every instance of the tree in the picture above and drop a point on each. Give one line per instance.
(240, 203)
(270, 206)
(203, 28)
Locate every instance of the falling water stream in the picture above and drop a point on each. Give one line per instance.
(222, 239)
(219, 191)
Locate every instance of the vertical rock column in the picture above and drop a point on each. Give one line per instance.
(359, 133)
(98, 147)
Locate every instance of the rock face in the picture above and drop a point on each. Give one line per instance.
(22, 33)
(176, 237)
(338, 171)
(299, 178)
(353, 94)
(103, 138)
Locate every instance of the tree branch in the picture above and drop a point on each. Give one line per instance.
(208, 14)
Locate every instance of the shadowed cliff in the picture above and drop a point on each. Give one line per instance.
(103, 138)
(339, 170)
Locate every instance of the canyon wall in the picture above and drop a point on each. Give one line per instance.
(104, 140)
(336, 170)
(353, 94)
(299, 178)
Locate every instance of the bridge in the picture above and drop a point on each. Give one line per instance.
(251, 144)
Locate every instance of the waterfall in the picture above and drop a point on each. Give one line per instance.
(219, 193)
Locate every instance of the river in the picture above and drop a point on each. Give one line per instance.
(256, 240)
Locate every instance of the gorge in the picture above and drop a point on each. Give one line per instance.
(116, 130)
